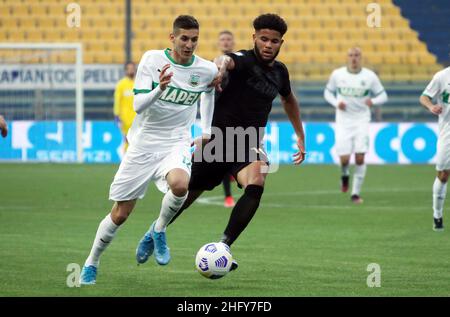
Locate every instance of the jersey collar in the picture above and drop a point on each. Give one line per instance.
(167, 52)
(349, 71)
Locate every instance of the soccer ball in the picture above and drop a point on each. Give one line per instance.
(213, 260)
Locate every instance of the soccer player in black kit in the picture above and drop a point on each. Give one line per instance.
(255, 79)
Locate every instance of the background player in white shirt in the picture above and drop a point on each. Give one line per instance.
(353, 90)
(439, 89)
(167, 87)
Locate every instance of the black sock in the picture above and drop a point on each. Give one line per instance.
(226, 185)
(242, 213)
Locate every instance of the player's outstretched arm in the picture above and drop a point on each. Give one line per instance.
(3, 127)
(292, 109)
(427, 103)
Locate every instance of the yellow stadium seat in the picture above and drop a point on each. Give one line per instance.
(46, 23)
(15, 35)
(330, 23)
(312, 23)
(37, 9)
(19, 10)
(9, 22)
(321, 11)
(372, 58)
(427, 59)
(392, 59)
(26, 23)
(4, 35)
(338, 10)
(57, 10)
(347, 24)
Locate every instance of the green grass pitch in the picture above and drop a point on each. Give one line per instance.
(306, 239)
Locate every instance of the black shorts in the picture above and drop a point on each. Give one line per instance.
(207, 175)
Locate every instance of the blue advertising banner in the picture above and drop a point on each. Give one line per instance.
(54, 141)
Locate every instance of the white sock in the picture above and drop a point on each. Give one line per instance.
(358, 178)
(345, 169)
(169, 207)
(439, 193)
(105, 233)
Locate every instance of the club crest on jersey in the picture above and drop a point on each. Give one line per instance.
(445, 96)
(194, 80)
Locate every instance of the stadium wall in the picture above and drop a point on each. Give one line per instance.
(54, 141)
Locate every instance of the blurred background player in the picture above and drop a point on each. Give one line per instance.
(439, 88)
(353, 90)
(226, 46)
(3, 127)
(123, 101)
(160, 139)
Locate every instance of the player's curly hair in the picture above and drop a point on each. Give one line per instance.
(270, 21)
(186, 22)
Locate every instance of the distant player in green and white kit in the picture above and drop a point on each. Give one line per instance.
(168, 85)
(439, 88)
(353, 90)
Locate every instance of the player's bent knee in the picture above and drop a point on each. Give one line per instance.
(121, 211)
(443, 176)
(179, 188)
(345, 160)
(359, 160)
(258, 180)
(119, 218)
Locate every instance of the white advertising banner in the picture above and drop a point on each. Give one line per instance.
(58, 76)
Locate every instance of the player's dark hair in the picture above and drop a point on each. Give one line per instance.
(187, 22)
(270, 21)
(226, 32)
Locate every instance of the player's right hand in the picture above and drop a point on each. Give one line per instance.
(217, 81)
(3, 127)
(300, 156)
(164, 79)
(435, 109)
(342, 106)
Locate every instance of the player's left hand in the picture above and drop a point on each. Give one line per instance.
(369, 103)
(199, 144)
(164, 79)
(299, 157)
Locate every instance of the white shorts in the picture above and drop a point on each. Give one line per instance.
(138, 168)
(352, 139)
(443, 155)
